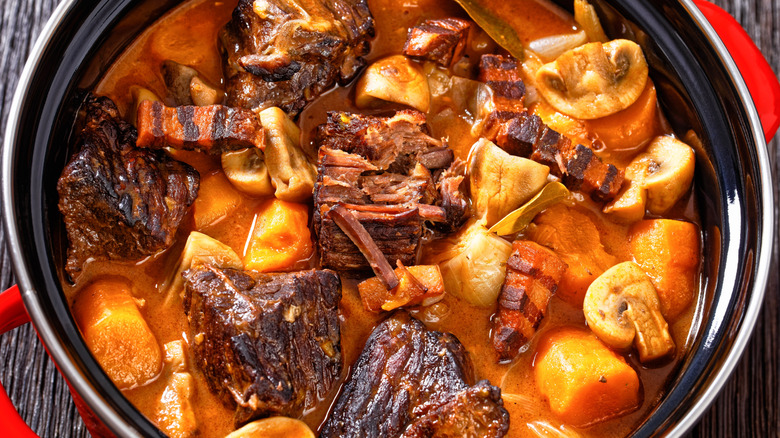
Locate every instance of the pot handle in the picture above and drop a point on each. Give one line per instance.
(12, 315)
(759, 77)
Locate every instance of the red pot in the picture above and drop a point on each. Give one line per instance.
(692, 68)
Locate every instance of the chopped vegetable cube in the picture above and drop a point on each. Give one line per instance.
(116, 333)
(584, 381)
(417, 284)
(280, 237)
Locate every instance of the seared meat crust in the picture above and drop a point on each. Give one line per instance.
(269, 344)
(285, 53)
(120, 202)
(413, 382)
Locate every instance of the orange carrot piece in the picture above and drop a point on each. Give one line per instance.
(427, 283)
(217, 199)
(280, 236)
(584, 381)
(574, 236)
(668, 251)
(632, 128)
(116, 333)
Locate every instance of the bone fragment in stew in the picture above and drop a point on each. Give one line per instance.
(381, 169)
(286, 53)
(360, 237)
(413, 382)
(533, 274)
(120, 202)
(268, 344)
(212, 129)
(442, 41)
(516, 131)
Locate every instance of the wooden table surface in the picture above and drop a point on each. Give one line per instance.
(747, 407)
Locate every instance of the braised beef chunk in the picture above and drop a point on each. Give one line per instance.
(441, 41)
(120, 202)
(380, 170)
(394, 143)
(285, 53)
(212, 129)
(268, 344)
(533, 274)
(413, 382)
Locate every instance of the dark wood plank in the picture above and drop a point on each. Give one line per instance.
(29, 376)
(748, 405)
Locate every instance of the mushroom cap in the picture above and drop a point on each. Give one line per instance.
(622, 307)
(594, 80)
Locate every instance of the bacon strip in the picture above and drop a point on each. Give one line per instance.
(442, 41)
(526, 135)
(502, 75)
(532, 277)
(516, 131)
(212, 129)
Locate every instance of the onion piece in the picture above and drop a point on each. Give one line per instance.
(586, 17)
(549, 48)
(544, 429)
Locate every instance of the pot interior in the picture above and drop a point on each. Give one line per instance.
(90, 35)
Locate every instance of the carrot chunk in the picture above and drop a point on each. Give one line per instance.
(279, 238)
(116, 333)
(632, 128)
(574, 236)
(668, 251)
(216, 200)
(584, 381)
(416, 284)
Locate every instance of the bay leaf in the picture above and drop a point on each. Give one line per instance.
(519, 219)
(498, 29)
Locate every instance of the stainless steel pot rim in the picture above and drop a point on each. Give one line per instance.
(117, 423)
(726, 368)
(88, 393)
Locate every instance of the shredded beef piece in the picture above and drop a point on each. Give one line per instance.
(454, 202)
(285, 53)
(268, 344)
(379, 168)
(413, 382)
(533, 274)
(442, 41)
(120, 202)
(211, 129)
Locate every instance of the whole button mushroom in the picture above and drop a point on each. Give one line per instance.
(594, 80)
(622, 307)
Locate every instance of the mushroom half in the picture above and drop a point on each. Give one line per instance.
(594, 80)
(622, 308)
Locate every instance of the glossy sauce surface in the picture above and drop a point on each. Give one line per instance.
(188, 35)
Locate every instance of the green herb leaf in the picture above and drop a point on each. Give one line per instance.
(519, 219)
(504, 34)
